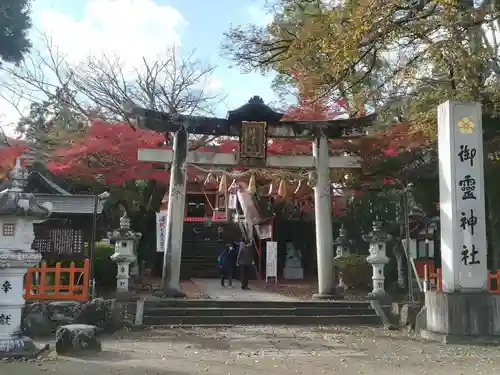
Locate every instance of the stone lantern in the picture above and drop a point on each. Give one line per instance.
(18, 212)
(342, 250)
(124, 255)
(377, 239)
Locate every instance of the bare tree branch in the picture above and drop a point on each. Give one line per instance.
(72, 94)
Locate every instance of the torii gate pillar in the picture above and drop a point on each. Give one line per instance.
(323, 219)
(170, 280)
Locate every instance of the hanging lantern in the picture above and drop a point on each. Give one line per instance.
(222, 185)
(282, 189)
(252, 185)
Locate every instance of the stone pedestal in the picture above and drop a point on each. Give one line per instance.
(377, 258)
(18, 212)
(462, 318)
(124, 256)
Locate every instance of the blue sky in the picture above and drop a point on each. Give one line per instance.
(132, 29)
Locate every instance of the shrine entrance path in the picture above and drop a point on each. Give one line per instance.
(213, 290)
(257, 350)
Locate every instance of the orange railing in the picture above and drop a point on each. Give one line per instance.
(53, 288)
(432, 278)
(494, 282)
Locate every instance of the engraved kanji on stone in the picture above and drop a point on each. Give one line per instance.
(470, 221)
(469, 255)
(467, 154)
(6, 286)
(5, 319)
(468, 186)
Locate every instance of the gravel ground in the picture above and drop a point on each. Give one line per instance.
(268, 350)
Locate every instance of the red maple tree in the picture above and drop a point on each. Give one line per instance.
(9, 153)
(109, 152)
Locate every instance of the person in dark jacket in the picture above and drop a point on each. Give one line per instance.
(226, 263)
(245, 261)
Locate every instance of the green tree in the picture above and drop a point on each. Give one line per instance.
(15, 23)
(401, 59)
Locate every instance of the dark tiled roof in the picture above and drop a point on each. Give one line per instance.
(19, 203)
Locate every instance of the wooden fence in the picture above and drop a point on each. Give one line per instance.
(433, 280)
(57, 283)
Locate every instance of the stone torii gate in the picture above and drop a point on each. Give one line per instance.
(253, 123)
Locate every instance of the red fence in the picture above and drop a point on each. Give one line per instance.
(433, 279)
(58, 283)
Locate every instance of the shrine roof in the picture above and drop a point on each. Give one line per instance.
(63, 202)
(23, 204)
(253, 111)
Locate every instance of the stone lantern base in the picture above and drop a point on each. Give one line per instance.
(382, 297)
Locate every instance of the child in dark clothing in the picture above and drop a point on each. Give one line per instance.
(226, 262)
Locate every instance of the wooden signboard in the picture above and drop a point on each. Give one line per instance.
(253, 143)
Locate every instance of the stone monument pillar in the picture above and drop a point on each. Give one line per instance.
(124, 256)
(18, 212)
(342, 245)
(377, 239)
(463, 311)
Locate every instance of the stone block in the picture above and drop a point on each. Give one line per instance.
(101, 313)
(42, 319)
(462, 317)
(77, 339)
(36, 320)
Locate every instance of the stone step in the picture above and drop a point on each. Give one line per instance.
(206, 258)
(189, 248)
(202, 236)
(243, 311)
(273, 304)
(200, 265)
(156, 321)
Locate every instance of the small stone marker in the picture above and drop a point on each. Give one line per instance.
(77, 339)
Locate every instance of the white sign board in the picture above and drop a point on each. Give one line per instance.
(272, 260)
(462, 200)
(161, 230)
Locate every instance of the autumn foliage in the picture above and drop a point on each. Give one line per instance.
(109, 152)
(8, 156)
